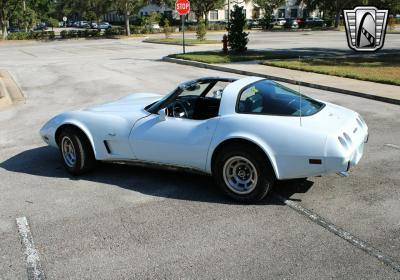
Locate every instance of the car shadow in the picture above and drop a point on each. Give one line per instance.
(46, 162)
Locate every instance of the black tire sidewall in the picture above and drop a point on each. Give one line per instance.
(83, 151)
(265, 177)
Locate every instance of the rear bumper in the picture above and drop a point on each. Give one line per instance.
(348, 159)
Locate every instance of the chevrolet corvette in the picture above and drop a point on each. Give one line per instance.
(247, 133)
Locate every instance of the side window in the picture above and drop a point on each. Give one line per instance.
(217, 90)
(271, 98)
(251, 101)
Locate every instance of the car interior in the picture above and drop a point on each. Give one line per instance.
(200, 101)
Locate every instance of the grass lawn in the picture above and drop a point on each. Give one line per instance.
(219, 57)
(178, 41)
(381, 69)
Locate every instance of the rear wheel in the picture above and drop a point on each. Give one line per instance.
(76, 151)
(243, 173)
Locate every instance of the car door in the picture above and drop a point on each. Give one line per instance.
(173, 141)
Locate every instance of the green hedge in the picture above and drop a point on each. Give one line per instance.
(43, 35)
(86, 33)
(115, 31)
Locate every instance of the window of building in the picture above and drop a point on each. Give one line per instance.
(281, 13)
(245, 12)
(226, 14)
(256, 13)
(214, 15)
(293, 13)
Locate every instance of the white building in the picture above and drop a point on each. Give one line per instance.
(252, 11)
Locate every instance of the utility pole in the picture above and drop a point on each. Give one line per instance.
(26, 24)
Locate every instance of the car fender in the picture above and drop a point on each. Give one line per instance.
(242, 136)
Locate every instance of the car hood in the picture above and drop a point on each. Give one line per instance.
(130, 103)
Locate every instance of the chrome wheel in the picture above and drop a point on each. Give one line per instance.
(68, 151)
(240, 175)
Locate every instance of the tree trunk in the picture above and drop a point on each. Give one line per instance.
(4, 29)
(337, 18)
(127, 27)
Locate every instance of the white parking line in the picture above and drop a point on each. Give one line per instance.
(392, 146)
(355, 241)
(33, 266)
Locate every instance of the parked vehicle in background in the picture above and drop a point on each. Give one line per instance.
(94, 25)
(253, 23)
(314, 21)
(14, 29)
(280, 21)
(301, 22)
(84, 24)
(75, 24)
(104, 25)
(41, 26)
(291, 23)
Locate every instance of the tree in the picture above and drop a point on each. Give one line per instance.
(236, 36)
(333, 8)
(201, 30)
(167, 28)
(268, 6)
(7, 9)
(201, 8)
(127, 7)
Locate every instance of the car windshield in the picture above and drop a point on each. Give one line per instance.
(205, 88)
(270, 98)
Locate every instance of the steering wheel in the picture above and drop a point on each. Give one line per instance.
(179, 110)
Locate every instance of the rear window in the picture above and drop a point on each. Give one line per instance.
(270, 98)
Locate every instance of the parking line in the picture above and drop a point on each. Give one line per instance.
(393, 146)
(33, 266)
(355, 241)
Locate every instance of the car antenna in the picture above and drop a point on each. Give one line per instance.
(300, 113)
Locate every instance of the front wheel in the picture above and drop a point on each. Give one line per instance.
(76, 151)
(244, 174)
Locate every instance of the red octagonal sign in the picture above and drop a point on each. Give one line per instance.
(182, 7)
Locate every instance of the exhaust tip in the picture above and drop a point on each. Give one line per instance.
(343, 174)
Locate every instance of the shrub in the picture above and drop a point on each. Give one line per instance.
(392, 23)
(201, 30)
(236, 36)
(72, 34)
(64, 34)
(115, 31)
(45, 35)
(167, 28)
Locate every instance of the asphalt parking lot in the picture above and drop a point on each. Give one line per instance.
(123, 222)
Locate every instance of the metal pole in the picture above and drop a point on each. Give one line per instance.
(183, 33)
(229, 12)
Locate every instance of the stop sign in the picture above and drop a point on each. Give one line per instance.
(182, 7)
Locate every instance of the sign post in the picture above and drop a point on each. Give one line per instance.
(183, 8)
(65, 21)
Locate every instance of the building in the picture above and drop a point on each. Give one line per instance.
(290, 10)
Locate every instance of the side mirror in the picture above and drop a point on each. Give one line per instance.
(162, 115)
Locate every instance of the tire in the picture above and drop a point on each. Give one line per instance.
(247, 163)
(76, 151)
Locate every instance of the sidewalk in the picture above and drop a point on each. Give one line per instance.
(376, 91)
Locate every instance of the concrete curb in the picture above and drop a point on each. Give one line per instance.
(280, 79)
(10, 93)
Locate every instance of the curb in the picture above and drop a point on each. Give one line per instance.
(10, 93)
(279, 79)
(166, 43)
